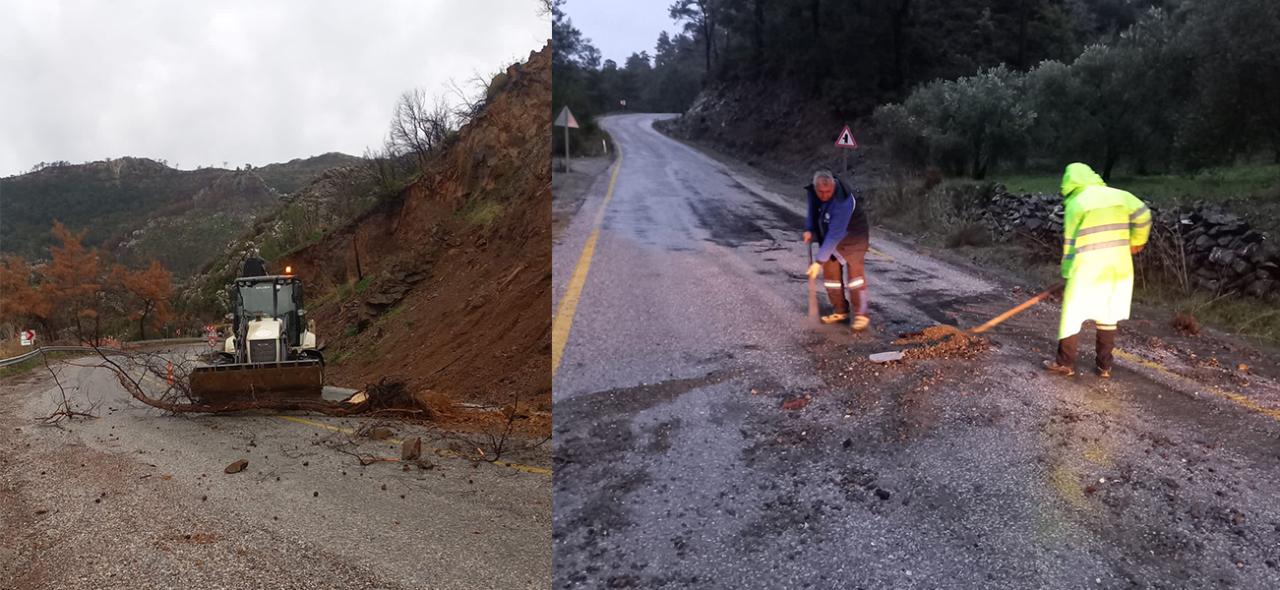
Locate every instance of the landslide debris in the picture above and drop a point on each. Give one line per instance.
(942, 342)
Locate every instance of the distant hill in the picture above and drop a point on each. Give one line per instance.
(141, 209)
(288, 177)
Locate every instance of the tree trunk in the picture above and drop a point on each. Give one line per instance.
(356, 248)
(1022, 35)
(142, 321)
(898, 25)
(757, 32)
(977, 170)
(1109, 162)
(711, 32)
(815, 62)
(48, 331)
(706, 40)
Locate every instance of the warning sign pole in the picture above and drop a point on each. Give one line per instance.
(846, 142)
(565, 119)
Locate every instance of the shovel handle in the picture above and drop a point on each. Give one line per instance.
(1021, 307)
(813, 289)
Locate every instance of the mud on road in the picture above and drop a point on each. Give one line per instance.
(730, 444)
(135, 498)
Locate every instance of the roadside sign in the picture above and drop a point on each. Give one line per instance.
(846, 139)
(846, 142)
(28, 337)
(565, 119)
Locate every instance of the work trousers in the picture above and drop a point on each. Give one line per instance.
(849, 257)
(1069, 347)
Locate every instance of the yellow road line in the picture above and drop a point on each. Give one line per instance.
(395, 442)
(1235, 398)
(880, 254)
(563, 321)
(323, 426)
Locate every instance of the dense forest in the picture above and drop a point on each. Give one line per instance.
(1161, 85)
(857, 53)
(1181, 89)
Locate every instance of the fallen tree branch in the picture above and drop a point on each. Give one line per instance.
(177, 398)
(63, 410)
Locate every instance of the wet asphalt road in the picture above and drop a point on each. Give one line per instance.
(677, 466)
(138, 499)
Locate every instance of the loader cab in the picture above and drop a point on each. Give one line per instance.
(270, 297)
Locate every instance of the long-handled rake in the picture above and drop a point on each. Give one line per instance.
(1017, 309)
(939, 332)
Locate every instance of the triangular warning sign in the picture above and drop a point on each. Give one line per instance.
(846, 139)
(565, 119)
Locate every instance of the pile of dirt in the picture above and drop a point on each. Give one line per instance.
(942, 342)
(448, 286)
(1185, 324)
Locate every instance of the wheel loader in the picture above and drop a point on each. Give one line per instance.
(271, 353)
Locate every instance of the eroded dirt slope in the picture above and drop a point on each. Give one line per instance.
(455, 294)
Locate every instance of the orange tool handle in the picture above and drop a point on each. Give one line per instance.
(1021, 307)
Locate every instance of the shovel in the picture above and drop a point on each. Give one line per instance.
(813, 289)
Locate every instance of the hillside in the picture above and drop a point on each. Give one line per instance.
(445, 283)
(745, 120)
(457, 271)
(142, 209)
(302, 218)
(288, 177)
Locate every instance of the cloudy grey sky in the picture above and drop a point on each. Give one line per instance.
(200, 83)
(619, 28)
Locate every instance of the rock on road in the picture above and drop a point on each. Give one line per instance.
(677, 465)
(138, 499)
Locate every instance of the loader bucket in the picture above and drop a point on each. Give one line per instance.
(251, 381)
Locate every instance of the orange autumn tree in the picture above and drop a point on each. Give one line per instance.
(23, 302)
(76, 282)
(82, 289)
(147, 294)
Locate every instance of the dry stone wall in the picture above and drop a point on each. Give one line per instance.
(1219, 249)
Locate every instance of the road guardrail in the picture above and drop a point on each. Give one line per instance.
(43, 349)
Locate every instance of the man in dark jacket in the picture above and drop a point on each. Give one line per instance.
(842, 232)
(254, 265)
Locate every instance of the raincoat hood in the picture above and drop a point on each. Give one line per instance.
(1077, 177)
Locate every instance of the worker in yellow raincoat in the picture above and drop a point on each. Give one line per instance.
(1102, 229)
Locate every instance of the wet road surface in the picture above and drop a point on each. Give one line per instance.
(707, 436)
